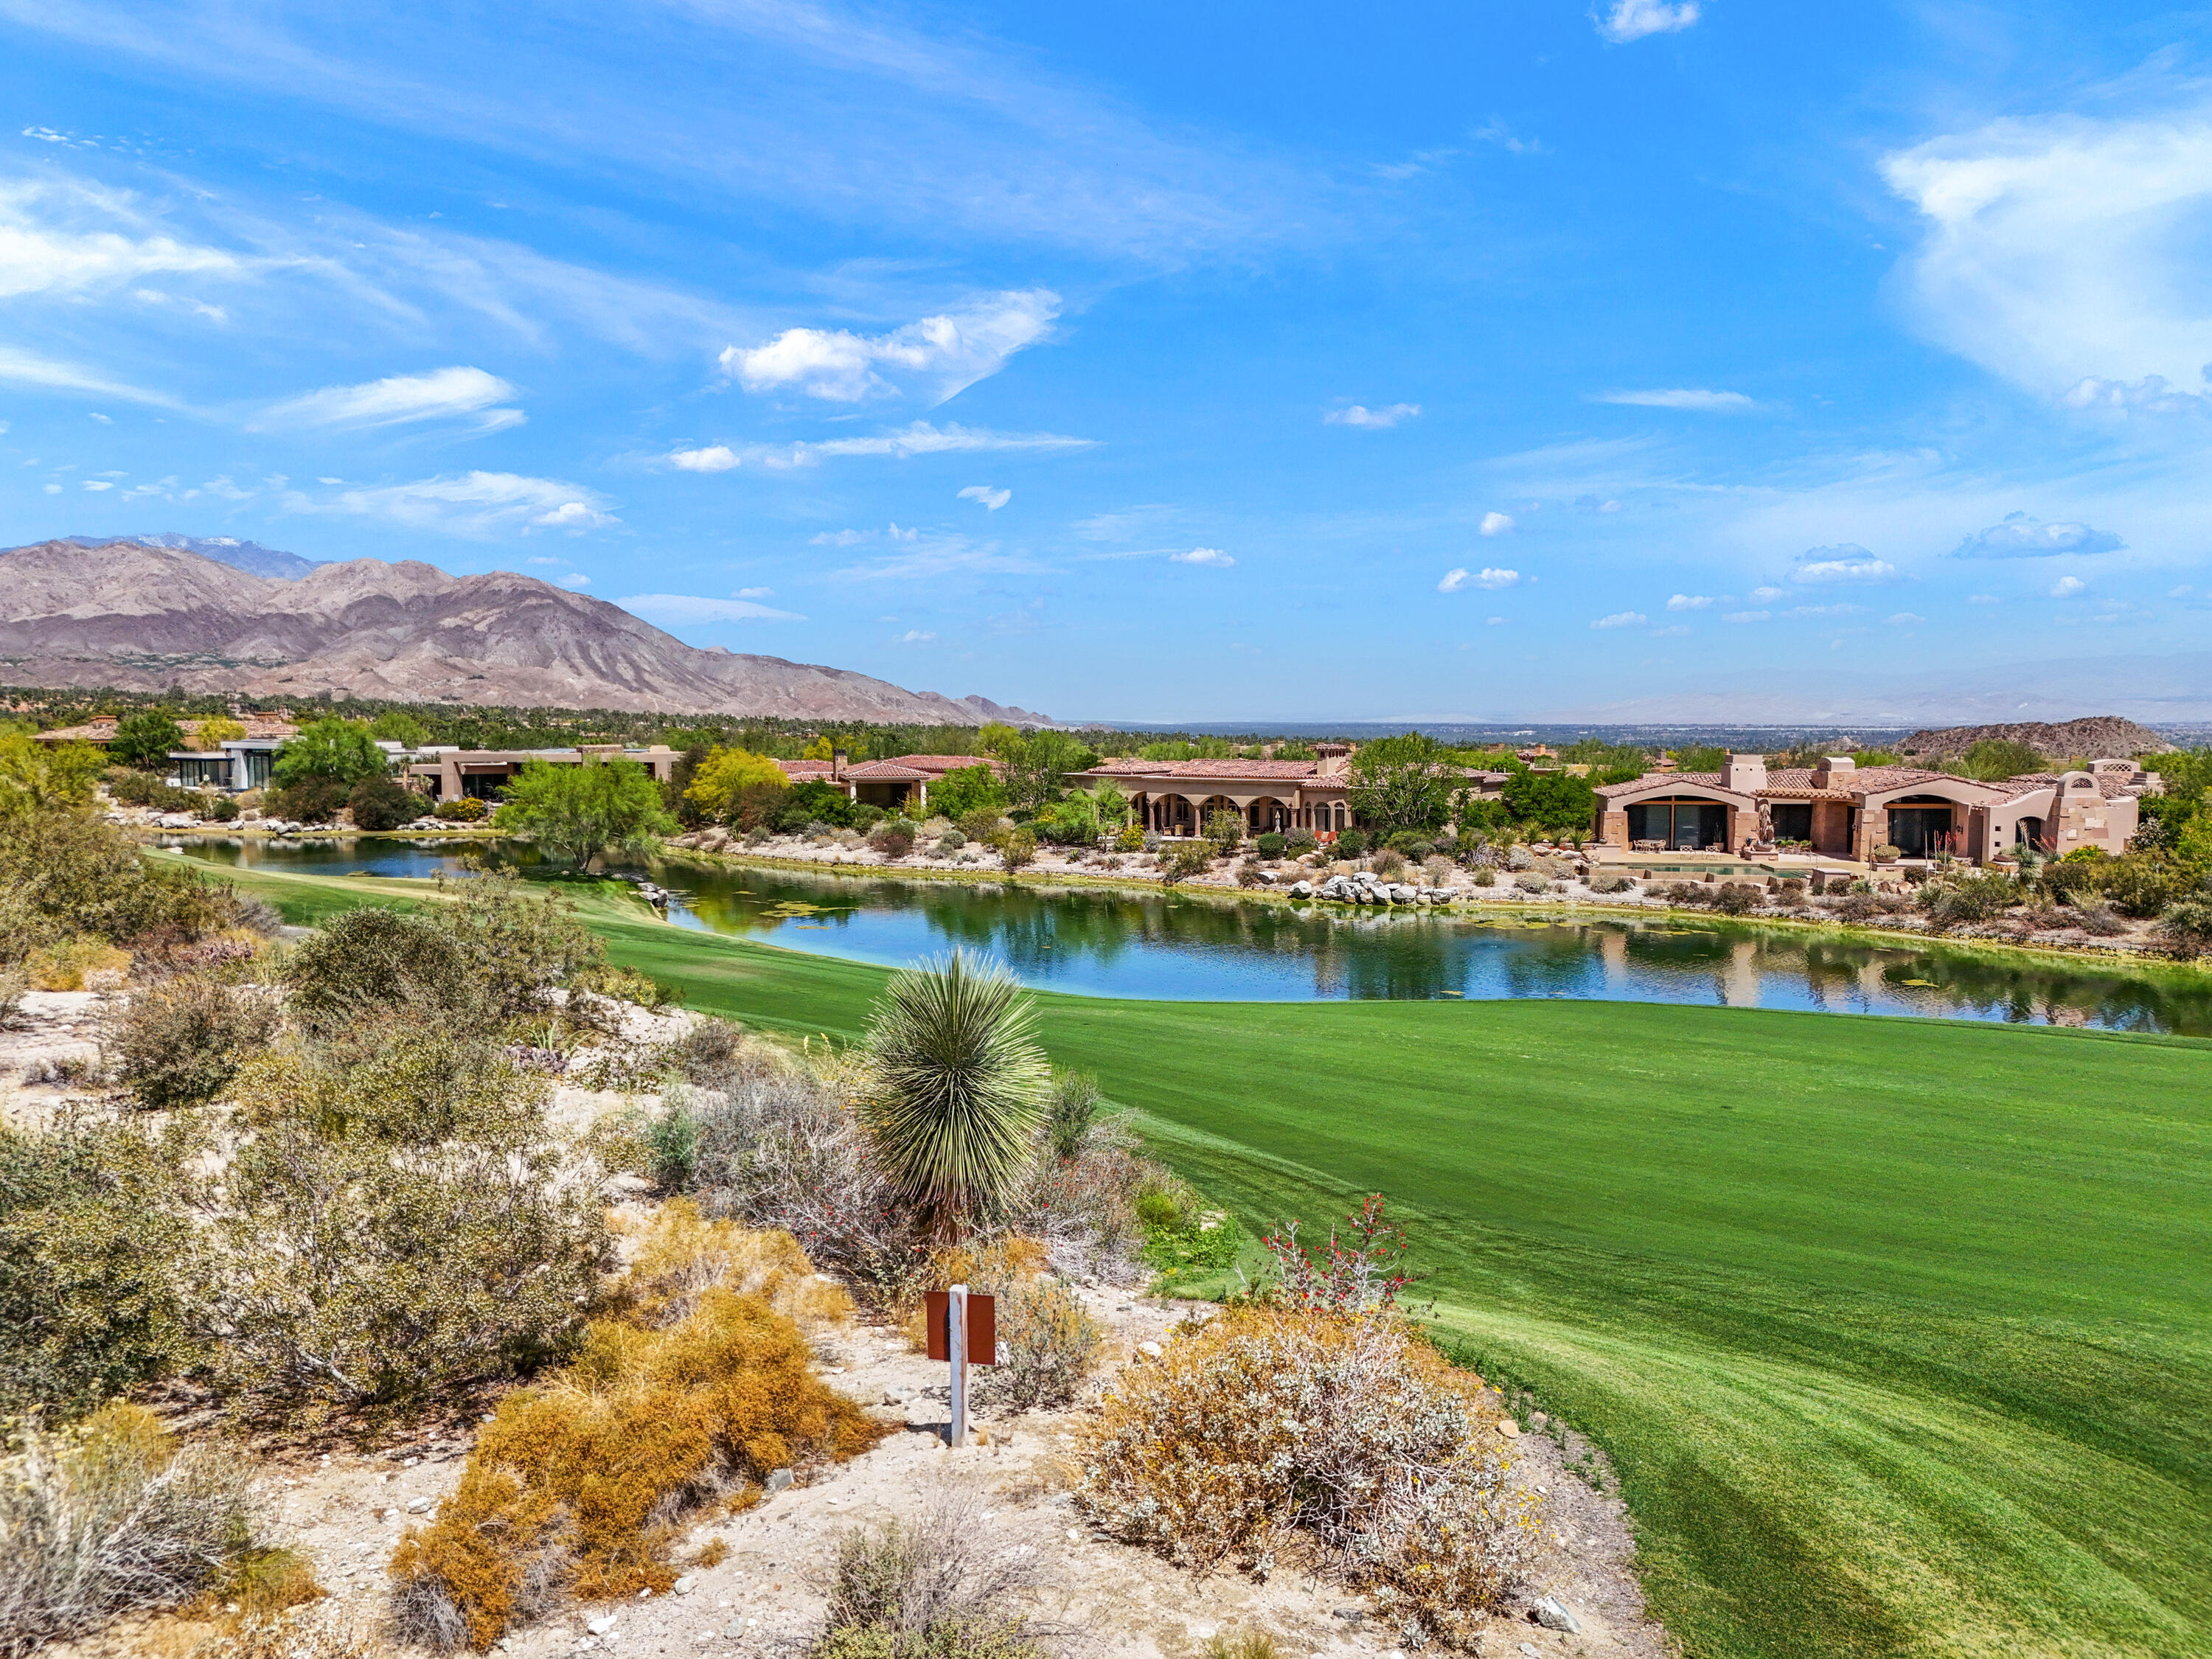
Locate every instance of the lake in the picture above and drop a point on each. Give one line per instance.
(1141, 942)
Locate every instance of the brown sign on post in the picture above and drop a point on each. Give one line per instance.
(983, 1344)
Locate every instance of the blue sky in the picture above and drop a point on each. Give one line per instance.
(1151, 361)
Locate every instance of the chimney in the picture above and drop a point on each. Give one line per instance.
(1744, 774)
(837, 759)
(1830, 767)
(1334, 758)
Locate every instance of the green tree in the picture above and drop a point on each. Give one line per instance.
(1403, 783)
(1038, 763)
(967, 790)
(144, 741)
(1551, 800)
(34, 776)
(1994, 759)
(725, 775)
(397, 726)
(955, 1088)
(340, 751)
(1226, 830)
(599, 808)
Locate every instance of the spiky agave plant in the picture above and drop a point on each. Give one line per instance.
(957, 1086)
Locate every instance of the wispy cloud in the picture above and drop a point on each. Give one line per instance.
(1459, 580)
(1360, 415)
(917, 636)
(1691, 602)
(2021, 536)
(927, 557)
(1127, 525)
(1631, 20)
(443, 394)
(1211, 557)
(922, 438)
(2067, 586)
(991, 499)
(1495, 523)
(64, 236)
(1622, 619)
(676, 610)
(1690, 398)
(20, 368)
(476, 504)
(945, 354)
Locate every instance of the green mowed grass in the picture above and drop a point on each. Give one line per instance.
(1895, 1332)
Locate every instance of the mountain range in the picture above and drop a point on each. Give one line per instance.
(141, 614)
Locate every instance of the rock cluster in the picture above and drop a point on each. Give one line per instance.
(1365, 887)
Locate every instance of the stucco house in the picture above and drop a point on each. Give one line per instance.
(1843, 810)
(1176, 798)
(446, 773)
(887, 782)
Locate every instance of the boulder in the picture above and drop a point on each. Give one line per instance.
(1552, 1615)
(1301, 889)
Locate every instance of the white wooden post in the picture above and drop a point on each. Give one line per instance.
(956, 1345)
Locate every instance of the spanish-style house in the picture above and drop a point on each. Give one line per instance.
(887, 782)
(1176, 798)
(448, 773)
(1841, 811)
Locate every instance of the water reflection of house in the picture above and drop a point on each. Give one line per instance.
(1843, 810)
(1176, 798)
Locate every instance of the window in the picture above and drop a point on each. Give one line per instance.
(1793, 820)
(1683, 824)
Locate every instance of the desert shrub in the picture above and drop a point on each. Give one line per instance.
(374, 957)
(1485, 875)
(580, 1484)
(1297, 842)
(1790, 890)
(462, 808)
(2069, 880)
(2143, 884)
(925, 1590)
(1017, 848)
(950, 842)
(1224, 830)
(517, 942)
(1083, 1206)
(181, 1042)
(1071, 1108)
(1610, 881)
(131, 788)
(1530, 881)
(309, 800)
(112, 1516)
(1186, 859)
(1437, 868)
(678, 1256)
(1520, 858)
(89, 1243)
(63, 874)
(1966, 898)
(319, 1629)
(393, 1078)
(781, 1145)
(349, 1257)
(1181, 1240)
(221, 809)
(383, 803)
(1248, 874)
(1048, 1345)
(1270, 845)
(2099, 922)
(1350, 843)
(1269, 1422)
(893, 838)
(1390, 864)
(82, 962)
(2187, 928)
(1245, 1644)
(1131, 839)
(14, 982)
(1739, 898)
(981, 824)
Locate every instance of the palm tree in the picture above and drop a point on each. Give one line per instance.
(957, 1088)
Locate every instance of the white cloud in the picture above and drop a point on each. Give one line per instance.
(535, 558)
(224, 488)
(855, 537)
(575, 579)
(66, 238)
(105, 420)
(1495, 523)
(52, 489)
(479, 504)
(1763, 595)
(443, 394)
(915, 636)
(2180, 592)
(1747, 616)
(1494, 622)
(716, 458)
(676, 609)
(1631, 20)
(1689, 397)
(1904, 619)
(1456, 581)
(1211, 556)
(1690, 602)
(1983, 598)
(1622, 619)
(993, 500)
(920, 439)
(754, 594)
(2020, 536)
(1826, 610)
(2067, 586)
(96, 484)
(2065, 253)
(1360, 415)
(949, 352)
(937, 557)
(1673, 631)
(1846, 561)
(27, 368)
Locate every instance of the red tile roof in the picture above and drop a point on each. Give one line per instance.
(889, 772)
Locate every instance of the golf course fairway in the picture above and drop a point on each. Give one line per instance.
(1897, 1334)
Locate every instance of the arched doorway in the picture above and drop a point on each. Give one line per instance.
(1921, 826)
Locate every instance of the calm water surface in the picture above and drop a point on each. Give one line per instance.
(1141, 943)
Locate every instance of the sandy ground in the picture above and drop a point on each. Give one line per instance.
(347, 1509)
(50, 1027)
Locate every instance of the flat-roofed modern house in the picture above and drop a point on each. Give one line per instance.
(234, 763)
(1843, 810)
(446, 773)
(1176, 798)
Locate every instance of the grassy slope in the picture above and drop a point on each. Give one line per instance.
(1896, 1331)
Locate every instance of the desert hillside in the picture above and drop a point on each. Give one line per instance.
(143, 617)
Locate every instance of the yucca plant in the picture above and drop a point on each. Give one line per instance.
(955, 1088)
